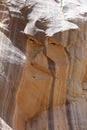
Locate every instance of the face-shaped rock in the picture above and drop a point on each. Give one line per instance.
(43, 82)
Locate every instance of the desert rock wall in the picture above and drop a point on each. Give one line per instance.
(43, 65)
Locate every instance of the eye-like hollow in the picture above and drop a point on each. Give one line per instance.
(53, 43)
(31, 40)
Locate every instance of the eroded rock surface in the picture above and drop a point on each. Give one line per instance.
(43, 65)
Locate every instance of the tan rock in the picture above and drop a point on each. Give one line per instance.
(42, 86)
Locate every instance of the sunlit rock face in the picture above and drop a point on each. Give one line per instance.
(43, 65)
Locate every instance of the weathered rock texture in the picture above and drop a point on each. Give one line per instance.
(43, 65)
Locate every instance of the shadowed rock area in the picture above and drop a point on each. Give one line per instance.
(43, 65)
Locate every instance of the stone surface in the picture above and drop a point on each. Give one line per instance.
(43, 65)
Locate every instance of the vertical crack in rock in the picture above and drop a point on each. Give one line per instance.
(51, 66)
(68, 112)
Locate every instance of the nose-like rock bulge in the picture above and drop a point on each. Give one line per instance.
(43, 65)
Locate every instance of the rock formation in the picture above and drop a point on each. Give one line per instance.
(43, 79)
(43, 65)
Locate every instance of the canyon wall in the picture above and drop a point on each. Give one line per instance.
(43, 65)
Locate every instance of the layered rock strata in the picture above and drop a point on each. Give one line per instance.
(43, 65)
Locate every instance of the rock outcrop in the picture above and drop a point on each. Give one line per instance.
(43, 65)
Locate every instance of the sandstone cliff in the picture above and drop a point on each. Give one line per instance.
(43, 65)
